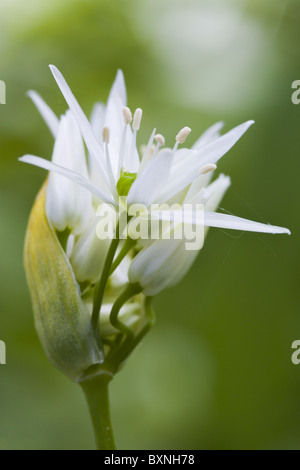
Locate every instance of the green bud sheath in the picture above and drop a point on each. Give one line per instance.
(62, 321)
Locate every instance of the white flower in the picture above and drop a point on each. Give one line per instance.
(115, 169)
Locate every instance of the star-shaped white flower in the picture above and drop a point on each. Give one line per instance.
(115, 169)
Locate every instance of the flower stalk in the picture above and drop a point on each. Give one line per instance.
(100, 288)
(96, 393)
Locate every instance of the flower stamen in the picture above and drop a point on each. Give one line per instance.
(127, 115)
(135, 126)
(160, 141)
(182, 136)
(208, 168)
(137, 119)
(106, 136)
(147, 154)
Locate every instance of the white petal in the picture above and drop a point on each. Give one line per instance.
(217, 190)
(197, 186)
(46, 112)
(97, 123)
(187, 163)
(163, 263)
(213, 219)
(82, 122)
(214, 194)
(72, 175)
(152, 179)
(184, 215)
(114, 118)
(97, 120)
(209, 135)
(115, 121)
(67, 204)
(132, 159)
(190, 257)
(119, 89)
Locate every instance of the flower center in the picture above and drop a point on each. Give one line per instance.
(125, 182)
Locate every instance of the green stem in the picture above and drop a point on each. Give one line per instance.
(150, 321)
(128, 245)
(130, 343)
(96, 393)
(117, 356)
(130, 291)
(100, 287)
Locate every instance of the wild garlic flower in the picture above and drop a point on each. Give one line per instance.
(115, 168)
(160, 181)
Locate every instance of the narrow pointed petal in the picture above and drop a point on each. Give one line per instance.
(97, 121)
(151, 181)
(115, 121)
(213, 219)
(198, 185)
(119, 88)
(217, 189)
(209, 135)
(67, 204)
(187, 216)
(187, 163)
(132, 159)
(114, 118)
(216, 192)
(45, 111)
(82, 121)
(72, 175)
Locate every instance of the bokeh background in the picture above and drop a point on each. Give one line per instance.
(216, 370)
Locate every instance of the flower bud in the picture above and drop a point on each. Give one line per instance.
(89, 254)
(61, 318)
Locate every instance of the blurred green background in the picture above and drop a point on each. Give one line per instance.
(216, 371)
